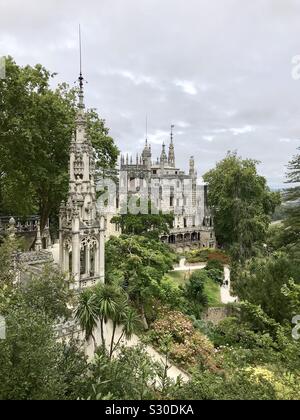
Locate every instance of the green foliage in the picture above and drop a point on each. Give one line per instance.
(7, 252)
(152, 225)
(232, 332)
(205, 255)
(36, 124)
(292, 197)
(142, 262)
(216, 275)
(49, 293)
(130, 376)
(236, 386)
(33, 364)
(292, 293)
(242, 204)
(188, 347)
(102, 303)
(194, 291)
(261, 280)
(213, 264)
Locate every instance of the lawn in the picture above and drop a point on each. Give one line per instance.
(211, 288)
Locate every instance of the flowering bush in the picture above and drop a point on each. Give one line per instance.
(187, 346)
(207, 254)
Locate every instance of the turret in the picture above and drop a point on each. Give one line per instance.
(163, 156)
(192, 166)
(147, 155)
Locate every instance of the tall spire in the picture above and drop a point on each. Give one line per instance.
(163, 156)
(80, 78)
(171, 157)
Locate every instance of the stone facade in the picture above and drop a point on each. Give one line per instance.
(171, 190)
(81, 227)
(28, 229)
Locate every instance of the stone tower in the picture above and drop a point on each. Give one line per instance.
(147, 155)
(81, 227)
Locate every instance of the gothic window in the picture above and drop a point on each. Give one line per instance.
(83, 260)
(132, 183)
(92, 262)
(171, 196)
(160, 193)
(70, 262)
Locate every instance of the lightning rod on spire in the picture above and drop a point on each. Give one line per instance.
(80, 78)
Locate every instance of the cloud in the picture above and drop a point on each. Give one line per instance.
(200, 66)
(186, 86)
(208, 138)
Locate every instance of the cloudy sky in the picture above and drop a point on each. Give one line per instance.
(219, 70)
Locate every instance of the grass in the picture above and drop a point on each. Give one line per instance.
(212, 289)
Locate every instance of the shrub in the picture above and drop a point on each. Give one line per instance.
(194, 288)
(205, 255)
(188, 347)
(213, 264)
(216, 275)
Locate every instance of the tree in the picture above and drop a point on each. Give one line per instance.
(34, 365)
(98, 305)
(194, 288)
(36, 124)
(86, 314)
(50, 293)
(142, 262)
(108, 297)
(292, 197)
(130, 375)
(153, 225)
(242, 204)
(261, 280)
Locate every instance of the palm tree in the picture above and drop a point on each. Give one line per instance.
(107, 299)
(86, 314)
(129, 321)
(119, 316)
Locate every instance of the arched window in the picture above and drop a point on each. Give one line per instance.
(83, 260)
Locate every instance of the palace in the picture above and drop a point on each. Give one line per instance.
(85, 224)
(171, 190)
